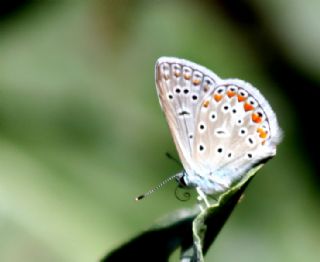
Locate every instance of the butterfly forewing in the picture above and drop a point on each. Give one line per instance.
(181, 86)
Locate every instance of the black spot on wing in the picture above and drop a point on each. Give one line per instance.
(182, 113)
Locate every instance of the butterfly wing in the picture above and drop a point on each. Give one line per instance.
(221, 128)
(235, 129)
(181, 86)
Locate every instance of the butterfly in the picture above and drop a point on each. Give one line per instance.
(221, 127)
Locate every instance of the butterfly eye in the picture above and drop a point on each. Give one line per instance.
(197, 77)
(186, 71)
(176, 69)
(242, 95)
(232, 91)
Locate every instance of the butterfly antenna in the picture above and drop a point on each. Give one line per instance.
(157, 187)
(168, 155)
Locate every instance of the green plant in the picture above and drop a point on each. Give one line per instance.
(190, 230)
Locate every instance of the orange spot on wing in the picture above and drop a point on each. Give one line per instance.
(187, 76)
(248, 107)
(256, 118)
(217, 97)
(196, 81)
(241, 98)
(230, 93)
(206, 103)
(262, 134)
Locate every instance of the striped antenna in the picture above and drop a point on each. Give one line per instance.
(157, 187)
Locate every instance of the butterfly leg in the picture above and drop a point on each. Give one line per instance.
(202, 196)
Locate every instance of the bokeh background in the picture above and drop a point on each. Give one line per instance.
(82, 133)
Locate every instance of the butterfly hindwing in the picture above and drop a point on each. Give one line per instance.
(234, 131)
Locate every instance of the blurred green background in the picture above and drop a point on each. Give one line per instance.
(82, 133)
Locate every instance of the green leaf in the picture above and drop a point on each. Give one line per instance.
(158, 243)
(209, 222)
(190, 230)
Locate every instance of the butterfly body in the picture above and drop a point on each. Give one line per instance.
(221, 128)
